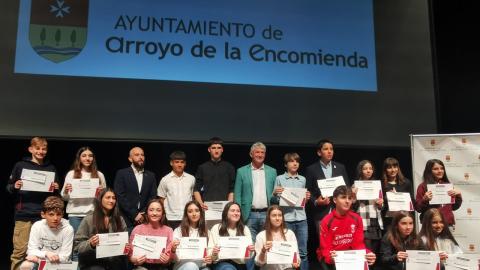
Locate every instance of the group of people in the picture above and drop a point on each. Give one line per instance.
(175, 208)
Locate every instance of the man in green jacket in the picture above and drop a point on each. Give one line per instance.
(254, 185)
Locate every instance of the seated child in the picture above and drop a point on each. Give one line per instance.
(342, 229)
(51, 238)
(400, 237)
(435, 235)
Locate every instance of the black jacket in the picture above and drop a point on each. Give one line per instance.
(28, 204)
(130, 200)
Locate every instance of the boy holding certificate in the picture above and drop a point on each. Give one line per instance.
(28, 204)
(51, 238)
(293, 202)
(321, 204)
(342, 229)
(176, 189)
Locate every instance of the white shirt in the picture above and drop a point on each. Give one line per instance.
(58, 240)
(261, 239)
(139, 177)
(215, 231)
(259, 190)
(177, 192)
(192, 232)
(80, 207)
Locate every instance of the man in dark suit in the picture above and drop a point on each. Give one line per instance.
(134, 187)
(320, 206)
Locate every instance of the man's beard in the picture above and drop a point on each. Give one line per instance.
(138, 166)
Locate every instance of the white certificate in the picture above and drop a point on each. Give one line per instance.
(192, 248)
(327, 186)
(294, 197)
(233, 247)
(440, 193)
(84, 188)
(462, 262)
(46, 265)
(368, 189)
(282, 252)
(215, 209)
(111, 244)
(350, 260)
(150, 246)
(422, 260)
(34, 180)
(399, 201)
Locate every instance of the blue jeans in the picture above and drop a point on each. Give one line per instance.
(300, 228)
(75, 223)
(191, 266)
(228, 265)
(255, 223)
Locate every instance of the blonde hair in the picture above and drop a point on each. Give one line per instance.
(38, 141)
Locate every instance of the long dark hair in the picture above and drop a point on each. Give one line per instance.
(223, 230)
(115, 220)
(268, 224)
(387, 164)
(428, 175)
(428, 232)
(396, 239)
(185, 224)
(77, 165)
(360, 167)
(163, 220)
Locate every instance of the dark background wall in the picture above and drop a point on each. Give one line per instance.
(457, 57)
(112, 155)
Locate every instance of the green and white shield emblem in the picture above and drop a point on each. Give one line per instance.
(58, 28)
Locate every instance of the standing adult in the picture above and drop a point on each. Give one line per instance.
(254, 185)
(215, 179)
(134, 187)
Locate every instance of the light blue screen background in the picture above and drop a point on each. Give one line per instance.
(335, 27)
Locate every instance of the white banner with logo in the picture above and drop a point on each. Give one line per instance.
(461, 155)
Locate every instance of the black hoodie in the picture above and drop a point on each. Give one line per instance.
(28, 204)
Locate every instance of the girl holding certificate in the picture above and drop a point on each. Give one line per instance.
(275, 230)
(393, 180)
(435, 234)
(84, 167)
(369, 210)
(232, 225)
(154, 225)
(435, 173)
(105, 218)
(193, 226)
(400, 237)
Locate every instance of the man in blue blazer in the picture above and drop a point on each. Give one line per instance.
(134, 187)
(253, 190)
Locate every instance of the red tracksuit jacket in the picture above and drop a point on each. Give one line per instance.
(339, 232)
